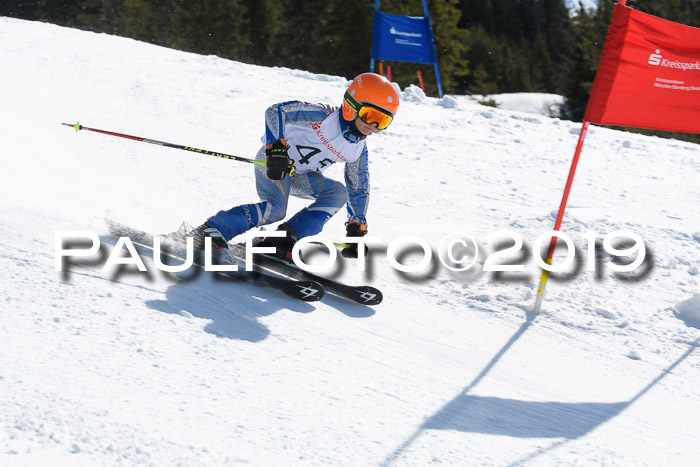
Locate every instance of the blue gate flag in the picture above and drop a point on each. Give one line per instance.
(402, 38)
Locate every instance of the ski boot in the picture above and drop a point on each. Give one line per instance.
(205, 230)
(283, 245)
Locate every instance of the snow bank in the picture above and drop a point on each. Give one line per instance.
(689, 310)
(537, 103)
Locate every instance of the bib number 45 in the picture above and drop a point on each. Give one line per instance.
(307, 152)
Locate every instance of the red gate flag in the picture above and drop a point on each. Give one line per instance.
(648, 75)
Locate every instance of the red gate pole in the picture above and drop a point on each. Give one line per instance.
(560, 216)
(420, 81)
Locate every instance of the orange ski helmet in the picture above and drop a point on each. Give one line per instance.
(372, 98)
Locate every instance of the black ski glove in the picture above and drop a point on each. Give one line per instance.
(354, 229)
(278, 162)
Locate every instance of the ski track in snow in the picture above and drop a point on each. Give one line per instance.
(99, 367)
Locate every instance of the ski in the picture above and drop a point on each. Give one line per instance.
(306, 289)
(362, 294)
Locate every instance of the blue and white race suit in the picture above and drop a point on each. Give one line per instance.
(317, 137)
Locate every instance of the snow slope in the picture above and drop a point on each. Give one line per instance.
(103, 367)
(539, 103)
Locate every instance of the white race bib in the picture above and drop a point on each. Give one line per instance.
(317, 147)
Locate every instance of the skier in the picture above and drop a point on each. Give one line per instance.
(301, 141)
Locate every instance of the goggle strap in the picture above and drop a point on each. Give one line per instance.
(352, 102)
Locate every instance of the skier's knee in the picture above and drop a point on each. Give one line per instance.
(276, 214)
(338, 193)
(342, 193)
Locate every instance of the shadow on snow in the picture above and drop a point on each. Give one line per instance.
(231, 305)
(524, 419)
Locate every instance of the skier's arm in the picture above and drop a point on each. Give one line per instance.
(278, 116)
(357, 182)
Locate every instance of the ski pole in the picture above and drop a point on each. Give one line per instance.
(79, 127)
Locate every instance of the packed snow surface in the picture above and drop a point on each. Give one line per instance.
(122, 367)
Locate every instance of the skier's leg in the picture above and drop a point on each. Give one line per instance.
(330, 196)
(274, 195)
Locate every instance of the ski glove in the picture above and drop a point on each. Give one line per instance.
(278, 162)
(354, 229)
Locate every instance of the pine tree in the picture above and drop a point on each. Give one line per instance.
(679, 11)
(145, 20)
(590, 28)
(523, 45)
(264, 25)
(209, 27)
(451, 43)
(99, 15)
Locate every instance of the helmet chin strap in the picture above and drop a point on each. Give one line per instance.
(351, 133)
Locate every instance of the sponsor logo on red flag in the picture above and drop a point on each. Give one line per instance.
(649, 74)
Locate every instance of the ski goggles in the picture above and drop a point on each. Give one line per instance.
(369, 113)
